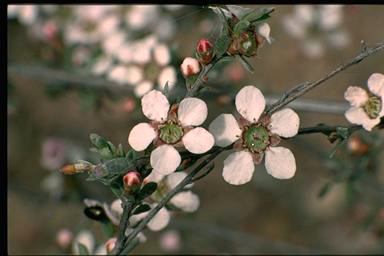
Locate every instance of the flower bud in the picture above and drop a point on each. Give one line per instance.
(245, 44)
(204, 51)
(190, 66)
(110, 244)
(356, 146)
(132, 180)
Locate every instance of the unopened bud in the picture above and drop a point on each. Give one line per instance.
(110, 244)
(132, 180)
(64, 238)
(245, 44)
(78, 167)
(204, 51)
(356, 146)
(190, 66)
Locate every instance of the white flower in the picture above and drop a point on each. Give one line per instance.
(167, 75)
(101, 65)
(140, 16)
(255, 136)
(366, 109)
(264, 30)
(171, 129)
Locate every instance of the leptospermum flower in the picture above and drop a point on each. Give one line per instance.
(171, 127)
(255, 135)
(366, 108)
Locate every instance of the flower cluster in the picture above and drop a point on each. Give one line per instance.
(366, 108)
(124, 44)
(316, 26)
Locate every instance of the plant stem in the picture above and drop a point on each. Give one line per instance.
(187, 180)
(326, 129)
(128, 206)
(303, 88)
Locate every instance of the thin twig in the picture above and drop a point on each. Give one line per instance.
(303, 88)
(326, 129)
(187, 180)
(128, 206)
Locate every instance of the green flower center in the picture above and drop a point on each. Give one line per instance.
(373, 107)
(170, 133)
(256, 138)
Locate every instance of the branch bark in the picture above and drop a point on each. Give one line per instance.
(303, 88)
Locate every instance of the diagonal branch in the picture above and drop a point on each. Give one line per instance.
(303, 88)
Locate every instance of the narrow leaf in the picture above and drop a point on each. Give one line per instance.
(141, 208)
(246, 64)
(147, 190)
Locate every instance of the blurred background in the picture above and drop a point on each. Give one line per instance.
(75, 70)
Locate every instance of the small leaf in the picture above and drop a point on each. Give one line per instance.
(120, 151)
(105, 153)
(112, 148)
(190, 80)
(221, 45)
(131, 155)
(258, 14)
(83, 250)
(246, 64)
(325, 189)
(147, 190)
(238, 11)
(98, 141)
(141, 208)
(166, 90)
(241, 26)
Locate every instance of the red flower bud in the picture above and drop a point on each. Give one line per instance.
(204, 51)
(132, 180)
(110, 244)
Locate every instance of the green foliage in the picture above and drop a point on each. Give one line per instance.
(147, 190)
(245, 63)
(141, 208)
(106, 149)
(222, 43)
(325, 189)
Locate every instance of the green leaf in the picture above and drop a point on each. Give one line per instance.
(98, 141)
(166, 90)
(343, 132)
(131, 155)
(190, 80)
(238, 11)
(325, 189)
(258, 14)
(336, 147)
(107, 228)
(112, 148)
(83, 250)
(241, 26)
(246, 64)
(147, 190)
(105, 153)
(222, 13)
(120, 151)
(221, 45)
(141, 208)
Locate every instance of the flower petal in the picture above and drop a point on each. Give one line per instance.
(167, 74)
(175, 178)
(143, 87)
(160, 220)
(238, 168)
(356, 96)
(192, 111)
(264, 30)
(165, 159)
(358, 116)
(280, 162)
(376, 84)
(154, 177)
(285, 123)
(250, 103)
(155, 105)
(141, 136)
(186, 201)
(162, 55)
(198, 140)
(225, 129)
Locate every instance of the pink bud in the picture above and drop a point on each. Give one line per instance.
(190, 66)
(131, 179)
(204, 51)
(64, 238)
(110, 244)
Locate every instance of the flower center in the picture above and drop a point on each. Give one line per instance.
(256, 138)
(373, 107)
(170, 133)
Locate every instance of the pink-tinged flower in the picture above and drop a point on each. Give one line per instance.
(366, 108)
(190, 66)
(110, 244)
(132, 179)
(86, 238)
(204, 51)
(255, 135)
(171, 127)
